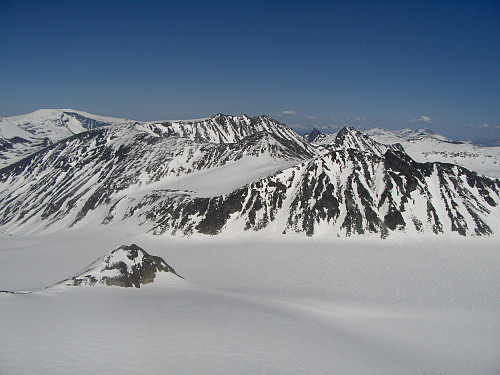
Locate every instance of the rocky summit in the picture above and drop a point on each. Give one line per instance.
(127, 266)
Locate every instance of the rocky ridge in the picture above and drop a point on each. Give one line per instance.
(130, 173)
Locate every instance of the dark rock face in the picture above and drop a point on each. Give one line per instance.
(8, 144)
(314, 136)
(127, 266)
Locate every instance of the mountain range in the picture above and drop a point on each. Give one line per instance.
(424, 145)
(228, 174)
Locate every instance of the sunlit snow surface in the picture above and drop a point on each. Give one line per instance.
(424, 146)
(254, 304)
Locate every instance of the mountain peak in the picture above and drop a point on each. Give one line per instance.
(34, 131)
(217, 115)
(227, 129)
(126, 266)
(313, 135)
(349, 130)
(349, 137)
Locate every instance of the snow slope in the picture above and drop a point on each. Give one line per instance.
(349, 137)
(249, 305)
(57, 124)
(251, 302)
(23, 135)
(9, 130)
(422, 145)
(426, 146)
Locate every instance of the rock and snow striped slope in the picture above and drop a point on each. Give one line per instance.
(230, 173)
(99, 168)
(225, 129)
(104, 177)
(421, 144)
(343, 193)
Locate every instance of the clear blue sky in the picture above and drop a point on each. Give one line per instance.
(395, 64)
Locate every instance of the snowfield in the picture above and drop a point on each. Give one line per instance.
(254, 304)
(424, 146)
(250, 300)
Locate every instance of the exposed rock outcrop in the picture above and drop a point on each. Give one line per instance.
(127, 266)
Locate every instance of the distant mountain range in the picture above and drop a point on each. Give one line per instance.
(229, 174)
(23, 135)
(424, 145)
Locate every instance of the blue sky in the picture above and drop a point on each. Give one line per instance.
(394, 64)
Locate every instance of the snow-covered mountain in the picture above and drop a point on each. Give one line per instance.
(87, 170)
(422, 145)
(126, 266)
(343, 193)
(21, 136)
(17, 143)
(425, 146)
(347, 138)
(231, 173)
(57, 124)
(225, 129)
(312, 301)
(315, 136)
